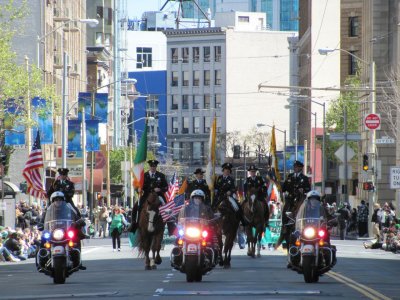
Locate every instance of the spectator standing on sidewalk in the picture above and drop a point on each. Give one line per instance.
(103, 215)
(343, 219)
(362, 219)
(117, 223)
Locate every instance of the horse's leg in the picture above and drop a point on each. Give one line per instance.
(248, 234)
(159, 238)
(259, 236)
(221, 245)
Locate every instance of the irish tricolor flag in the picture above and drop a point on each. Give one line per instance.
(140, 159)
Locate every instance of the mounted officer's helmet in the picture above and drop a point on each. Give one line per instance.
(57, 196)
(197, 194)
(314, 195)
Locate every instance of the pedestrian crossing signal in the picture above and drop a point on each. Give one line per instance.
(365, 162)
(368, 186)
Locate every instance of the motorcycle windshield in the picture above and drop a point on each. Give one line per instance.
(311, 213)
(193, 213)
(59, 215)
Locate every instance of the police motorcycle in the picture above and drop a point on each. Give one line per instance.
(59, 255)
(311, 252)
(194, 254)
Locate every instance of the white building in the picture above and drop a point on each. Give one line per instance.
(217, 71)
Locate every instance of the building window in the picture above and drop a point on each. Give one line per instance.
(196, 78)
(185, 124)
(353, 63)
(186, 151)
(185, 55)
(217, 101)
(206, 54)
(197, 151)
(207, 124)
(109, 16)
(144, 57)
(99, 38)
(99, 12)
(196, 54)
(206, 77)
(354, 26)
(243, 19)
(218, 125)
(175, 150)
(174, 81)
(174, 124)
(217, 77)
(207, 101)
(217, 53)
(196, 124)
(196, 101)
(185, 78)
(174, 55)
(174, 102)
(185, 102)
(107, 40)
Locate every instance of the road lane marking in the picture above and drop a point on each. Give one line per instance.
(363, 289)
(161, 292)
(58, 296)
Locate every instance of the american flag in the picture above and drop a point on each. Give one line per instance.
(172, 208)
(31, 170)
(173, 188)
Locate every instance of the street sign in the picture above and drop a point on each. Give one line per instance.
(385, 140)
(340, 153)
(372, 121)
(395, 177)
(339, 136)
(349, 171)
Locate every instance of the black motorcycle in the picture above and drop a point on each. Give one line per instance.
(311, 252)
(59, 255)
(194, 254)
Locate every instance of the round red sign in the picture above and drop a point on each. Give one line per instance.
(372, 121)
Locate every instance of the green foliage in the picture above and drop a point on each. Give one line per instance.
(335, 117)
(19, 82)
(116, 157)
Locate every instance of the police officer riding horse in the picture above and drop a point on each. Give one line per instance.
(295, 187)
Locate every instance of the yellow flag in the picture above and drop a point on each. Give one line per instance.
(274, 167)
(210, 171)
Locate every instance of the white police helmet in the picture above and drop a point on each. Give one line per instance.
(197, 193)
(314, 195)
(56, 195)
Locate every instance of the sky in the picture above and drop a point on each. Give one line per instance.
(137, 7)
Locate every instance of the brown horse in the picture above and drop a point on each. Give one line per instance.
(254, 211)
(228, 226)
(151, 231)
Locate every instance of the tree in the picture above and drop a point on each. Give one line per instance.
(335, 117)
(18, 82)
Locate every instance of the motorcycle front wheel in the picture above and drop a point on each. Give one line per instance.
(59, 273)
(192, 269)
(309, 269)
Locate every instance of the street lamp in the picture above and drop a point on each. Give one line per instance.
(371, 64)
(284, 145)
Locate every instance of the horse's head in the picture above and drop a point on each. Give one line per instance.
(252, 194)
(153, 201)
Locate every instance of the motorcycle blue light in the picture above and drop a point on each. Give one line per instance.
(46, 235)
(181, 232)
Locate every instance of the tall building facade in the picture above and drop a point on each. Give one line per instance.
(213, 72)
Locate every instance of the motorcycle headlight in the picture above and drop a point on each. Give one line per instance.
(193, 232)
(58, 234)
(309, 232)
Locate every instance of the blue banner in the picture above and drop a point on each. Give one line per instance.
(74, 135)
(43, 116)
(92, 135)
(290, 157)
(100, 106)
(15, 132)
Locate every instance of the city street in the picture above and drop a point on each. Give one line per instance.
(359, 274)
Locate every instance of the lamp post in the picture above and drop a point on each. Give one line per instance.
(284, 146)
(372, 89)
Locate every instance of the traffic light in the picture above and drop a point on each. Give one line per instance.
(365, 162)
(236, 151)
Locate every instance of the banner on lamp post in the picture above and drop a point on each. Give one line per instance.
(43, 116)
(92, 135)
(14, 131)
(100, 106)
(74, 135)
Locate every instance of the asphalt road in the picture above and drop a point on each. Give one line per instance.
(359, 274)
